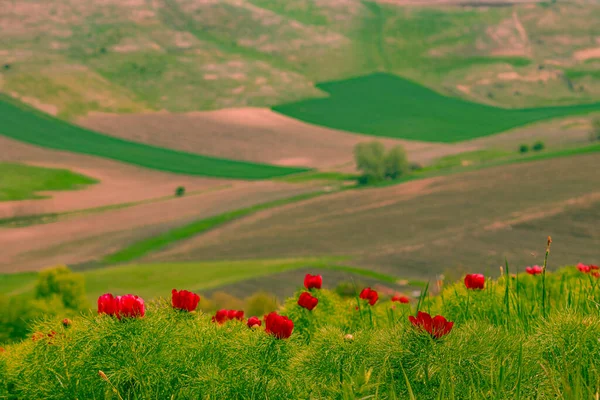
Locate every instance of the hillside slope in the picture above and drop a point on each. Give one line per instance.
(70, 57)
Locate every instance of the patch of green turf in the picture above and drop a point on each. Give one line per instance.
(146, 246)
(387, 105)
(20, 182)
(13, 284)
(25, 124)
(318, 176)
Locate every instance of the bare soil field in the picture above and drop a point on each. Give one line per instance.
(468, 221)
(119, 183)
(87, 238)
(252, 134)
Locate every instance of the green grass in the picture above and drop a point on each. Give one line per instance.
(20, 182)
(152, 280)
(312, 176)
(26, 125)
(155, 243)
(503, 345)
(387, 105)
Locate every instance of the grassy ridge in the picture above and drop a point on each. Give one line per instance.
(504, 344)
(20, 182)
(387, 105)
(26, 125)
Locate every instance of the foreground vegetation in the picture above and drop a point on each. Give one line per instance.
(21, 182)
(388, 105)
(529, 335)
(26, 125)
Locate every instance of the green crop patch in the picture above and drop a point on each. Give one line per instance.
(20, 182)
(27, 125)
(390, 106)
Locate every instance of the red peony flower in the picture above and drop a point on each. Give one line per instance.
(437, 326)
(131, 306)
(254, 321)
(184, 300)
(401, 299)
(108, 304)
(535, 270)
(474, 281)
(307, 301)
(66, 322)
(313, 281)
(583, 268)
(220, 317)
(279, 326)
(223, 316)
(370, 295)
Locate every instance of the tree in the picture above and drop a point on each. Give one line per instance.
(396, 162)
(180, 191)
(370, 160)
(538, 146)
(595, 133)
(523, 148)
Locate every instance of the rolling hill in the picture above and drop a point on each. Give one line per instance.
(33, 127)
(73, 57)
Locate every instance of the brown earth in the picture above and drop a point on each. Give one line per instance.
(87, 238)
(467, 221)
(252, 134)
(119, 183)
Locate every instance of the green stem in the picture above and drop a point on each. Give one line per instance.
(544, 278)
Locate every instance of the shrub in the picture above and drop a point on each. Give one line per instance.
(538, 146)
(180, 191)
(375, 165)
(396, 163)
(369, 159)
(60, 281)
(261, 303)
(523, 148)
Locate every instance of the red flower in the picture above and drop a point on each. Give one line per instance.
(592, 267)
(108, 304)
(254, 321)
(370, 295)
(220, 317)
(307, 301)
(437, 326)
(279, 326)
(313, 281)
(131, 306)
(583, 268)
(66, 322)
(474, 281)
(596, 274)
(184, 300)
(535, 270)
(37, 336)
(401, 299)
(223, 316)
(2, 350)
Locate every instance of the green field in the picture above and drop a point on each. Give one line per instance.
(387, 105)
(26, 125)
(20, 182)
(154, 280)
